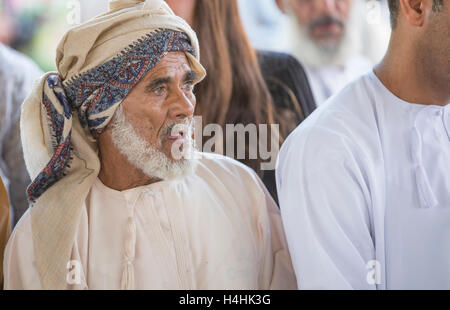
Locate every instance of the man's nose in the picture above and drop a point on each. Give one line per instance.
(326, 6)
(182, 106)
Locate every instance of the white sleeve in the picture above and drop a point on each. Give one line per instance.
(325, 203)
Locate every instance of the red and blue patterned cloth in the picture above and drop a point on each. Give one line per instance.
(93, 93)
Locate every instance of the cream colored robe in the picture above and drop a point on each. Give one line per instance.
(216, 229)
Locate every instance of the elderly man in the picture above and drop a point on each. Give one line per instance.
(364, 184)
(325, 36)
(119, 199)
(17, 74)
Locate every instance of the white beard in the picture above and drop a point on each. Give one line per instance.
(313, 54)
(150, 160)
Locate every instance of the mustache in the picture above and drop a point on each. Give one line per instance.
(184, 126)
(325, 20)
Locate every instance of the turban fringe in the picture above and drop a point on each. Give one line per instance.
(94, 96)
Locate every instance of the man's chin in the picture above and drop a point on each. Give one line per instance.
(179, 149)
(328, 46)
(179, 169)
(171, 165)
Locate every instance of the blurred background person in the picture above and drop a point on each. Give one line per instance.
(329, 37)
(17, 74)
(5, 226)
(244, 86)
(33, 28)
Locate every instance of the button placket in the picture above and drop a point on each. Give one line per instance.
(184, 264)
(160, 230)
(128, 278)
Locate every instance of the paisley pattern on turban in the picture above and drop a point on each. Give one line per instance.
(95, 95)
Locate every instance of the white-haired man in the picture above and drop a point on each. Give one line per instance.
(326, 37)
(119, 198)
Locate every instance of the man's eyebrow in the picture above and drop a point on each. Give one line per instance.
(190, 76)
(157, 82)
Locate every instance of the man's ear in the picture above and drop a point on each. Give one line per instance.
(415, 11)
(281, 5)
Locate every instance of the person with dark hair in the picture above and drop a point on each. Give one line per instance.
(394, 8)
(364, 183)
(244, 86)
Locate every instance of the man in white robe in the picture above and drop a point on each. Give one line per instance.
(364, 183)
(326, 36)
(123, 201)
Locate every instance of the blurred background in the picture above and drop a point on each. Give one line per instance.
(34, 27)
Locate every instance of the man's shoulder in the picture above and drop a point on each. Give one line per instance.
(224, 164)
(347, 117)
(227, 175)
(352, 106)
(228, 172)
(355, 96)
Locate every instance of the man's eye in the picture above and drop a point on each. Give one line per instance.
(159, 90)
(189, 85)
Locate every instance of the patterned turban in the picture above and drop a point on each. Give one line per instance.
(98, 64)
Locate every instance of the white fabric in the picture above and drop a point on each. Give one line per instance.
(328, 80)
(217, 229)
(365, 178)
